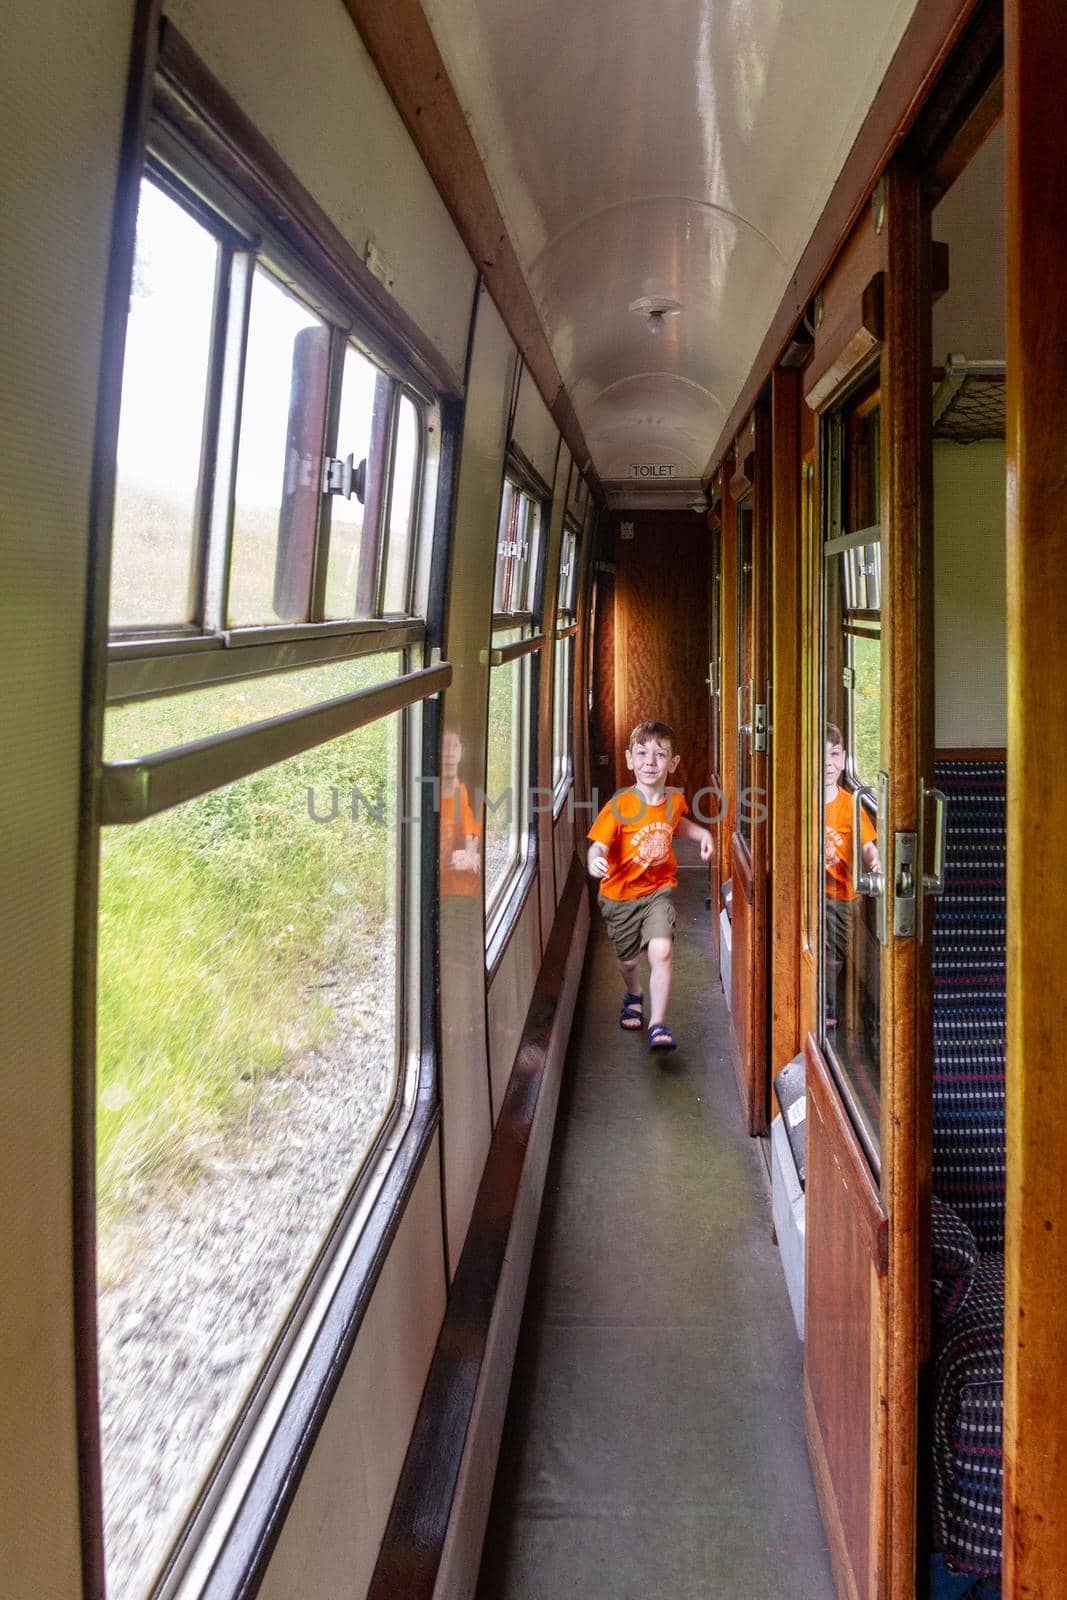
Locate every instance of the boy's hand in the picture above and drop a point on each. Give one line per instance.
(598, 867)
(707, 846)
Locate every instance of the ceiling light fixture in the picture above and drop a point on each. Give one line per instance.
(656, 308)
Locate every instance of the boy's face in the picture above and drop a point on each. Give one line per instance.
(451, 753)
(835, 762)
(651, 762)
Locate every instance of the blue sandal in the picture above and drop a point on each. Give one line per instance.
(661, 1038)
(632, 1015)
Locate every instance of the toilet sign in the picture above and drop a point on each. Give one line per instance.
(650, 469)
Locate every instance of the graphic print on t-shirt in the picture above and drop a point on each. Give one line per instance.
(652, 843)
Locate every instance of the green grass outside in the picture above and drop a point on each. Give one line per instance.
(218, 918)
(867, 708)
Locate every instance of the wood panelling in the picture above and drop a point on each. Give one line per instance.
(844, 1298)
(602, 775)
(1035, 1433)
(747, 1021)
(907, 752)
(785, 865)
(661, 637)
(851, 312)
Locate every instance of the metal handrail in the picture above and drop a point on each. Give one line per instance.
(869, 883)
(500, 655)
(131, 791)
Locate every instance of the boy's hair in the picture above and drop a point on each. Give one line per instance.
(654, 730)
(833, 734)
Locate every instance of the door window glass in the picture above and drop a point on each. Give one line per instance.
(850, 761)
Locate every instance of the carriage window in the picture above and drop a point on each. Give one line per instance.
(509, 835)
(164, 394)
(351, 579)
(279, 458)
(403, 509)
(563, 666)
(258, 1010)
(249, 1051)
(849, 758)
(507, 766)
(233, 480)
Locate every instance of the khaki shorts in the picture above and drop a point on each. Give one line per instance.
(633, 923)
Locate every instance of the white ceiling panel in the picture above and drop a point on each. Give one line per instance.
(681, 150)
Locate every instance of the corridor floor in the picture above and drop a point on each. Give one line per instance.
(654, 1444)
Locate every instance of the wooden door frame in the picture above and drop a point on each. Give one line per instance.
(750, 868)
(892, 314)
(1035, 1420)
(784, 903)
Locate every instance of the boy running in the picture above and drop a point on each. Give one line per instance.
(631, 854)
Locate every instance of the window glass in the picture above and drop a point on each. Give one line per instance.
(362, 432)
(279, 461)
(164, 391)
(508, 545)
(247, 1055)
(518, 546)
(505, 770)
(138, 729)
(402, 508)
(848, 753)
(562, 712)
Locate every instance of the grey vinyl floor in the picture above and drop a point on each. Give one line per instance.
(654, 1444)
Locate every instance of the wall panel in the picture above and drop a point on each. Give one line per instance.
(313, 91)
(65, 69)
(509, 995)
(534, 431)
(330, 1541)
(466, 1110)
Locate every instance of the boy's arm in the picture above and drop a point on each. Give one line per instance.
(597, 860)
(692, 830)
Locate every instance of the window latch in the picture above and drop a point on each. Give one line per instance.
(344, 477)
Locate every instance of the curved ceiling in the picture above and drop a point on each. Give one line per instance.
(681, 150)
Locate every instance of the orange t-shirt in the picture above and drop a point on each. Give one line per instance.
(838, 823)
(458, 823)
(638, 836)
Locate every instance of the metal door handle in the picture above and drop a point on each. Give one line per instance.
(869, 883)
(934, 882)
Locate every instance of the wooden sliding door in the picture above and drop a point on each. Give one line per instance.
(869, 1056)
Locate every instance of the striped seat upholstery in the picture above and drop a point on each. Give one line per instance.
(969, 955)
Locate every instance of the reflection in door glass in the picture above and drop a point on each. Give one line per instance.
(745, 671)
(850, 755)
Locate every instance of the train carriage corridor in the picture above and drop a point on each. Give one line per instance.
(654, 1443)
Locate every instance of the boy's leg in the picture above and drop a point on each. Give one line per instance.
(631, 975)
(660, 952)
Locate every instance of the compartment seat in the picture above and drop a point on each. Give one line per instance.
(969, 972)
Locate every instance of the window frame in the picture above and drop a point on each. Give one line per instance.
(504, 901)
(165, 658)
(565, 652)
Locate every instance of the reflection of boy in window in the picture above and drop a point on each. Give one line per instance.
(460, 828)
(842, 898)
